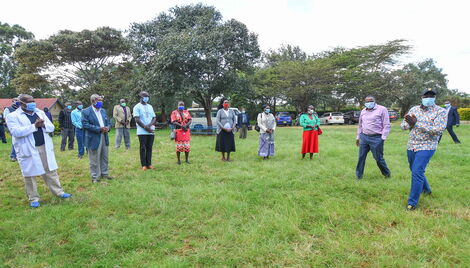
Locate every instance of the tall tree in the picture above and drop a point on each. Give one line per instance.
(73, 60)
(192, 50)
(10, 38)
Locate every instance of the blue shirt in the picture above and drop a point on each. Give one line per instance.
(145, 114)
(77, 118)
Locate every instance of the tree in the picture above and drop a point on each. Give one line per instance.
(191, 51)
(10, 38)
(73, 60)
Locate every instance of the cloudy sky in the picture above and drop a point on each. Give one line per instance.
(436, 29)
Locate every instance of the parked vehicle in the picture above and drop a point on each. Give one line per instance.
(351, 117)
(284, 119)
(393, 115)
(332, 118)
(199, 119)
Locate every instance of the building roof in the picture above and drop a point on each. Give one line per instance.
(40, 103)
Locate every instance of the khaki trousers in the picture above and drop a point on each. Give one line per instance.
(50, 178)
(99, 160)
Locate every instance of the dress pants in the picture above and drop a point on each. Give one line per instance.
(51, 178)
(146, 144)
(375, 144)
(243, 131)
(120, 132)
(99, 160)
(67, 133)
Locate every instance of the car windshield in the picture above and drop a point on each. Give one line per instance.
(336, 114)
(284, 114)
(201, 114)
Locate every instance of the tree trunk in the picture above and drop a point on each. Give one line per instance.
(163, 113)
(207, 105)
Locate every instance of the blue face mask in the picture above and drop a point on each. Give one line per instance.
(99, 104)
(145, 99)
(181, 108)
(69, 107)
(428, 101)
(17, 104)
(267, 111)
(80, 106)
(31, 106)
(370, 105)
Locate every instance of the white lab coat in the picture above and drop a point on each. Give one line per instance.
(21, 131)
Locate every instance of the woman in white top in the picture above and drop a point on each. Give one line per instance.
(267, 125)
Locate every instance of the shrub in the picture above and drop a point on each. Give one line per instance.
(464, 113)
(56, 127)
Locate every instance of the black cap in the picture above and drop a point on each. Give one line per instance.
(428, 90)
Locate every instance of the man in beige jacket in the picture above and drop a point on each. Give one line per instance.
(122, 115)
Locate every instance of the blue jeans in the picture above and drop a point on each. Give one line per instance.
(418, 161)
(375, 144)
(13, 152)
(80, 140)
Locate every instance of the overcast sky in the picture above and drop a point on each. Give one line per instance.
(436, 29)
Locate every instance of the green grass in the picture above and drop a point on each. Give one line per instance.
(281, 212)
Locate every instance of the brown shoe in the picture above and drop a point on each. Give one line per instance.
(145, 168)
(150, 167)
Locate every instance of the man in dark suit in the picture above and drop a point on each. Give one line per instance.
(242, 123)
(96, 125)
(453, 119)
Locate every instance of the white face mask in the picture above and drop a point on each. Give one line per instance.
(447, 105)
(310, 111)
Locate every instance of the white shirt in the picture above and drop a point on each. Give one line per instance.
(98, 115)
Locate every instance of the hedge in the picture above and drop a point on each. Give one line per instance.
(464, 113)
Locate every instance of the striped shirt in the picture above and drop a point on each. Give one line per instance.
(432, 121)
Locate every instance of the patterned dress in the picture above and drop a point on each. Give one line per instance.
(182, 138)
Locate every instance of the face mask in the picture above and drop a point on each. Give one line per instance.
(447, 105)
(99, 104)
(267, 111)
(243, 111)
(69, 107)
(310, 111)
(370, 105)
(181, 108)
(80, 106)
(30, 106)
(226, 105)
(123, 104)
(145, 99)
(17, 104)
(428, 101)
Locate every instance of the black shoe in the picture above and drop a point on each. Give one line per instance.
(187, 162)
(95, 181)
(410, 208)
(13, 159)
(80, 156)
(388, 176)
(108, 177)
(427, 193)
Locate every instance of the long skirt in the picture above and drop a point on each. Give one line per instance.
(310, 141)
(182, 140)
(266, 144)
(225, 142)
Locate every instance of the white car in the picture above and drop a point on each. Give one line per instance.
(199, 117)
(332, 118)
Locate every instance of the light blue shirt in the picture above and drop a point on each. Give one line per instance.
(145, 114)
(76, 116)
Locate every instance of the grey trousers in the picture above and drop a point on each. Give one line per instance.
(50, 178)
(127, 138)
(99, 160)
(70, 134)
(243, 131)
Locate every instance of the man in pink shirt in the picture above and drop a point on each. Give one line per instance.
(373, 129)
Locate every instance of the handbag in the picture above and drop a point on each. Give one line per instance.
(172, 135)
(320, 131)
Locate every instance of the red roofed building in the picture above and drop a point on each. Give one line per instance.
(53, 104)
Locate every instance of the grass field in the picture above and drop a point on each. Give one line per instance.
(281, 212)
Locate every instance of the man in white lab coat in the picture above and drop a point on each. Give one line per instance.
(29, 128)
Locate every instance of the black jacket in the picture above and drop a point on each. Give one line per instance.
(240, 120)
(453, 117)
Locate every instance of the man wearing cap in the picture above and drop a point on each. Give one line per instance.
(372, 131)
(453, 119)
(122, 117)
(35, 151)
(426, 123)
(66, 127)
(15, 103)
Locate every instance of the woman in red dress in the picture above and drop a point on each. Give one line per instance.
(181, 119)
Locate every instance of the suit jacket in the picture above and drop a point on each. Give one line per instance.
(222, 119)
(240, 120)
(453, 117)
(118, 114)
(91, 126)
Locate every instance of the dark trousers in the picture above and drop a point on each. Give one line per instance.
(146, 144)
(2, 134)
(243, 131)
(80, 141)
(375, 144)
(67, 133)
(418, 162)
(450, 129)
